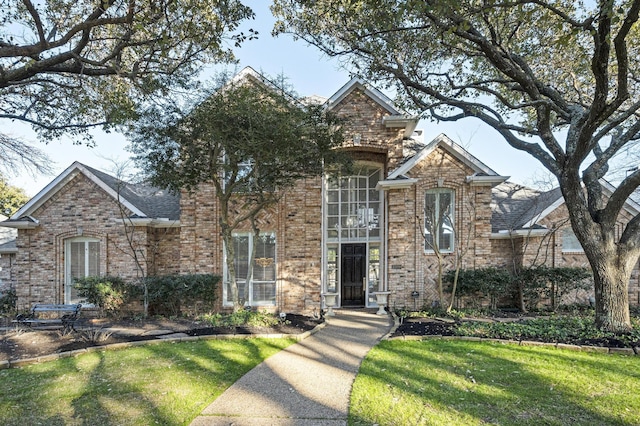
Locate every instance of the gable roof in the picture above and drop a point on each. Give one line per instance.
(481, 170)
(142, 200)
(396, 117)
(514, 206)
(357, 83)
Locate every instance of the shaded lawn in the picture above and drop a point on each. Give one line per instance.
(445, 382)
(164, 383)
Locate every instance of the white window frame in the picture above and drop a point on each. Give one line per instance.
(438, 191)
(251, 301)
(68, 279)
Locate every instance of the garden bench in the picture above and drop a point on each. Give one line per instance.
(54, 314)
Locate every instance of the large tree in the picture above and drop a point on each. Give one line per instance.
(67, 65)
(250, 140)
(558, 79)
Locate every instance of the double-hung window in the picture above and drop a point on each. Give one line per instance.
(439, 220)
(82, 259)
(262, 284)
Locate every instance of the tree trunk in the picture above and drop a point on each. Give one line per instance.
(231, 268)
(611, 280)
(610, 259)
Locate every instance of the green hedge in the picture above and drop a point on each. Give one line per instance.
(169, 295)
(108, 293)
(538, 284)
(8, 301)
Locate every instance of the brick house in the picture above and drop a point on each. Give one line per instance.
(348, 237)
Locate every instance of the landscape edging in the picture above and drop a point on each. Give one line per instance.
(17, 363)
(602, 349)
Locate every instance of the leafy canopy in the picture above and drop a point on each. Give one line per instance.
(67, 65)
(245, 138)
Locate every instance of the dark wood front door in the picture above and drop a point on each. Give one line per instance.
(353, 260)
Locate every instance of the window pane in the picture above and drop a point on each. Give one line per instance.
(570, 242)
(262, 287)
(438, 220)
(358, 209)
(241, 246)
(332, 269)
(264, 292)
(77, 259)
(93, 259)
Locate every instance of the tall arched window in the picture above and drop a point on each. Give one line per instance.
(82, 259)
(439, 228)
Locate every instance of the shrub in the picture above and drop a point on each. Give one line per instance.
(244, 317)
(169, 294)
(487, 283)
(8, 301)
(107, 293)
(552, 284)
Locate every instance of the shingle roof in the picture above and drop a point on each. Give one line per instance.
(513, 206)
(154, 202)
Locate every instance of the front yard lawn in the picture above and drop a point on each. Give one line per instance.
(450, 382)
(164, 383)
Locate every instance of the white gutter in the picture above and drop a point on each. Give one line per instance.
(409, 123)
(150, 222)
(21, 224)
(481, 180)
(386, 185)
(504, 234)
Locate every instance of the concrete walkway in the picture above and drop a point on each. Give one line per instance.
(307, 384)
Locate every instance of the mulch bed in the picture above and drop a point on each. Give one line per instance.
(437, 327)
(424, 327)
(31, 343)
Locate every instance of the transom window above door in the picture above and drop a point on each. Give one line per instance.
(353, 205)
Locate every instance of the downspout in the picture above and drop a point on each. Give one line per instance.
(415, 245)
(385, 264)
(323, 243)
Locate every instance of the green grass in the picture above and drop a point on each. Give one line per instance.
(444, 382)
(165, 383)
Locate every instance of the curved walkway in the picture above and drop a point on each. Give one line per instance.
(306, 384)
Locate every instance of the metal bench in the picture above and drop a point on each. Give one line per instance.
(54, 314)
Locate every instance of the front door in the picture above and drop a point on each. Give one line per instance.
(353, 273)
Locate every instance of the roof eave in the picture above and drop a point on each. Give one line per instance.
(476, 180)
(150, 222)
(19, 224)
(386, 185)
(408, 123)
(506, 234)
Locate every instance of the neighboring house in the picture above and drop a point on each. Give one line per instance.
(350, 236)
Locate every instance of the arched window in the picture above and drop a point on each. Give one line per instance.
(439, 228)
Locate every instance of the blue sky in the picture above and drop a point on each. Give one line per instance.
(310, 73)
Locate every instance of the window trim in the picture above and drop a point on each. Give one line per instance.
(68, 280)
(437, 191)
(251, 302)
